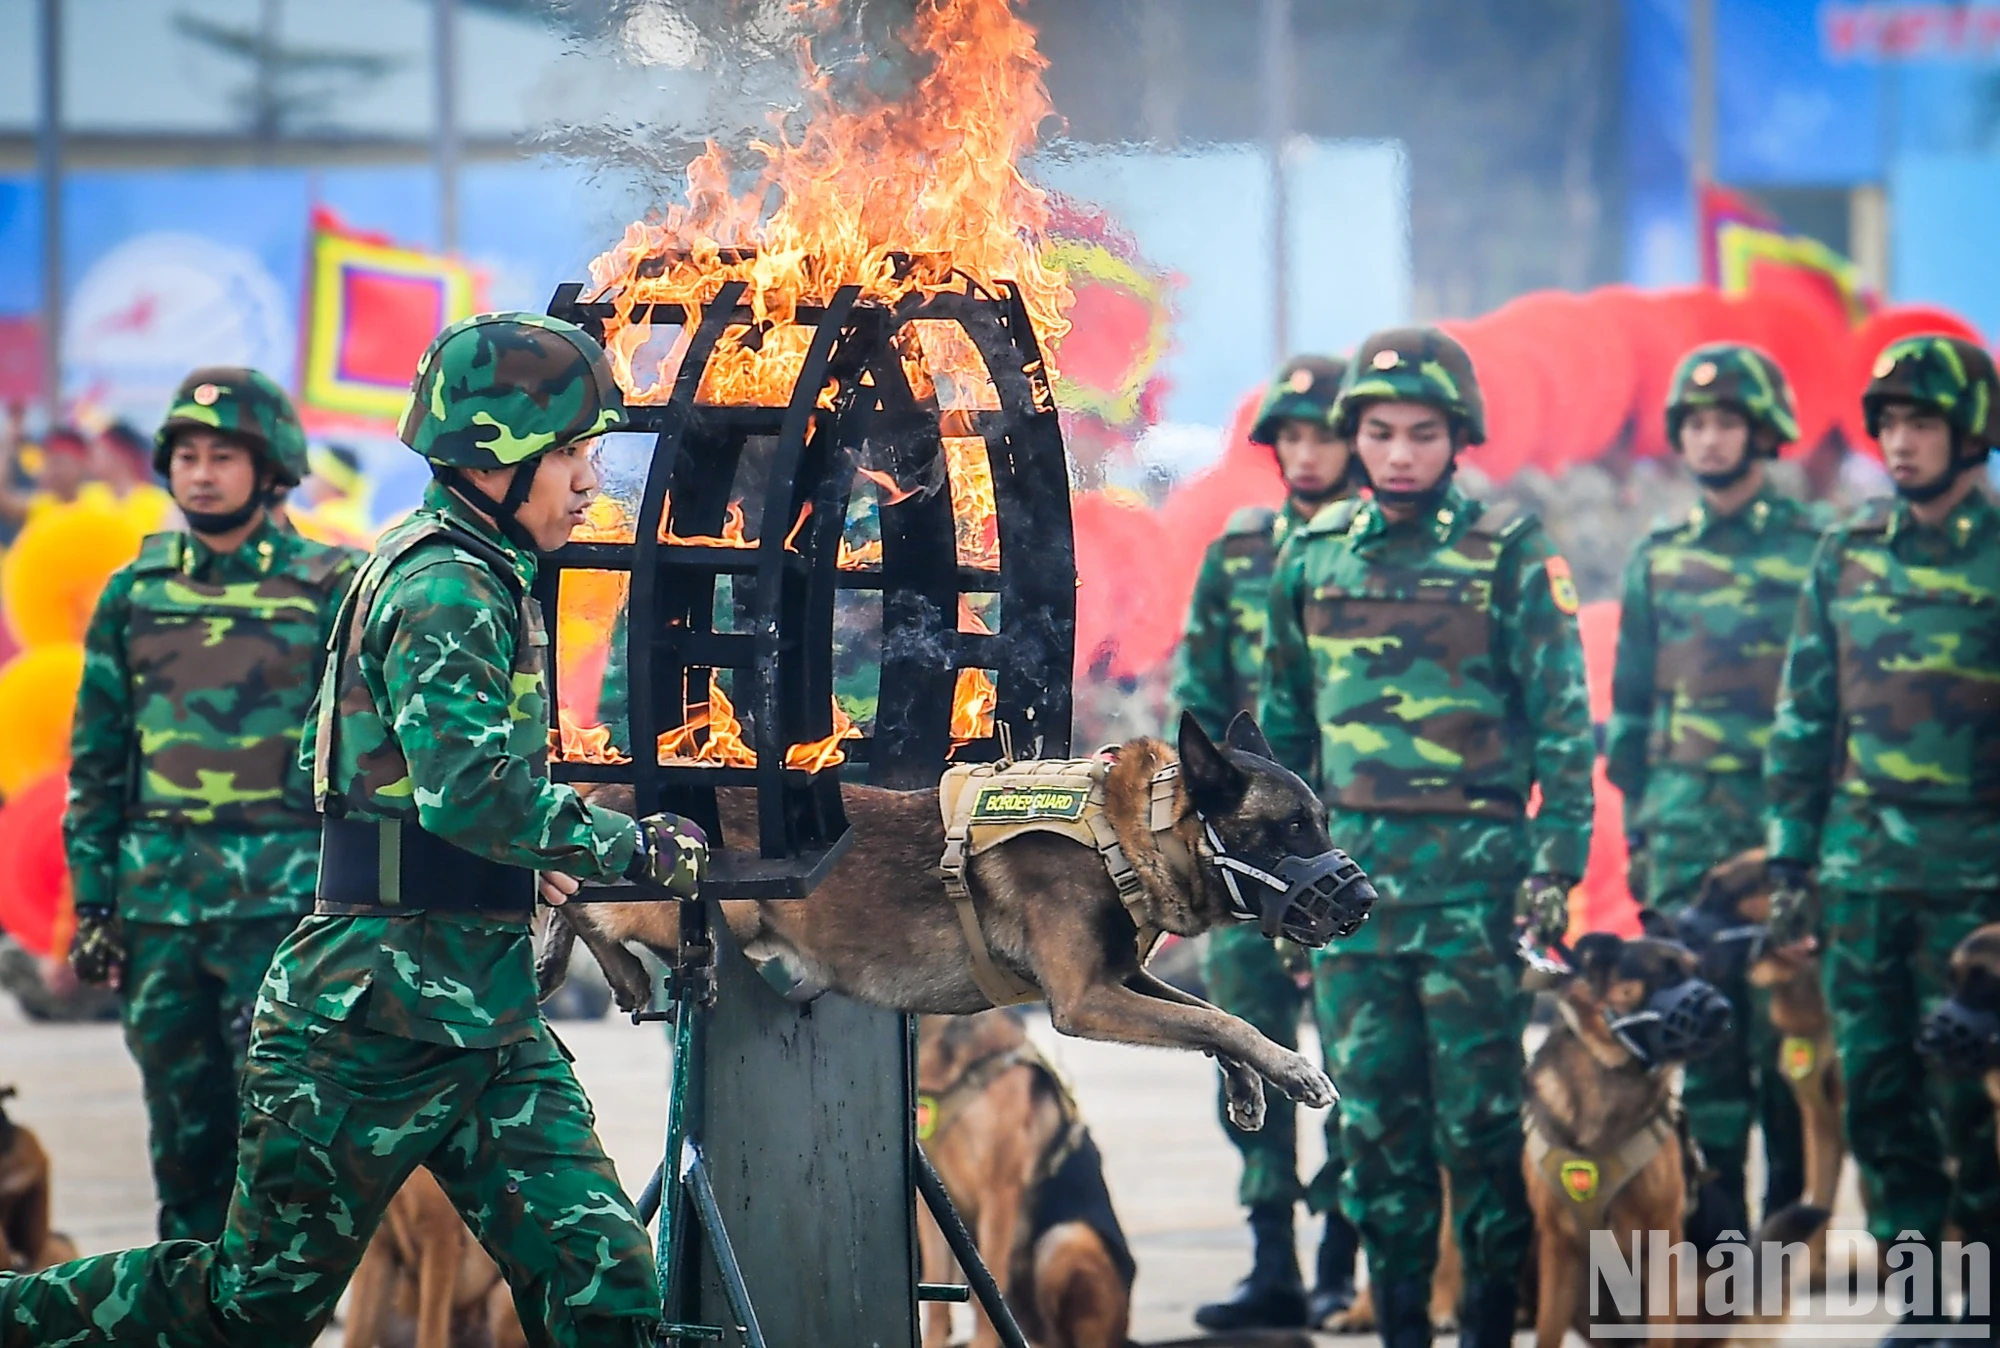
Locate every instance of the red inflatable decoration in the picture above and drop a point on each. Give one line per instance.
(34, 876)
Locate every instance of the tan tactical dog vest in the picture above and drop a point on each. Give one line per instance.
(987, 804)
(1591, 1182)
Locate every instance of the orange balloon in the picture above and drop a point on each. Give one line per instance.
(37, 699)
(51, 577)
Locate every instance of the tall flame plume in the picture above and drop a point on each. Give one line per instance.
(919, 195)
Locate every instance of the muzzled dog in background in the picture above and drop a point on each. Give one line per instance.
(426, 1282)
(1724, 926)
(1011, 1147)
(1964, 1033)
(26, 1243)
(1605, 1146)
(1246, 841)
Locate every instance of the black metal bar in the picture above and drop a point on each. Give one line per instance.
(694, 1174)
(649, 1197)
(966, 1252)
(943, 1291)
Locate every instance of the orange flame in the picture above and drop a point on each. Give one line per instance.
(973, 702)
(724, 745)
(732, 535)
(920, 196)
(861, 558)
(975, 512)
(584, 743)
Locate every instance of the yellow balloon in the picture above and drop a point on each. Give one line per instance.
(37, 700)
(51, 577)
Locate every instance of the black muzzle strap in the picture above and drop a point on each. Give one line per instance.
(1311, 900)
(385, 864)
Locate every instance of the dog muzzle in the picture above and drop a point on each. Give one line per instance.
(1676, 1024)
(1961, 1038)
(1311, 900)
(1726, 947)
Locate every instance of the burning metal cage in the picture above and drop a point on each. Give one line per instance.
(939, 406)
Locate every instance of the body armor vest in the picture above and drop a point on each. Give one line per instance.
(1723, 622)
(1919, 676)
(1414, 711)
(222, 681)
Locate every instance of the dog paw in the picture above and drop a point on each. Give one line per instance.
(1306, 1084)
(1246, 1105)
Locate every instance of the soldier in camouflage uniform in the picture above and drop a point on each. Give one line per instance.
(397, 1026)
(191, 833)
(1423, 668)
(1883, 782)
(1709, 602)
(1216, 675)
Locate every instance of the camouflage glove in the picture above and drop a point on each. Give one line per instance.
(97, 951)
(1794, 903)
(1638, 867)
(1542, 906)
(673, 853)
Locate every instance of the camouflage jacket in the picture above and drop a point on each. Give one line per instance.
(185, 802)
(1220, 665)
(443, 719)
(1884, 765)
(1428, 676)
(1709, 603)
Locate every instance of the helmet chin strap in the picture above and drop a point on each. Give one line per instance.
(1723, 481)
(1942, 483)
(1421, 500)
(501, 511)
(216, 522)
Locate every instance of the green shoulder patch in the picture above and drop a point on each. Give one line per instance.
(1013, 804)
(159, 552)
(1250, 520)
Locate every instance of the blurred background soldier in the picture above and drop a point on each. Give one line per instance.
(1423, 667)
(1709, 603)
(1219, 669)
(1883, 775)
(192, 838)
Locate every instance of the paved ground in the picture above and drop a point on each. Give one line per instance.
(1170, 1171)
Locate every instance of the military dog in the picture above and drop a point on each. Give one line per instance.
(1964, 1033)
(1011, 1147)
(26, 1242)
(1734, 902)
(1606, 1149)
(880, 928)
(426, 1282)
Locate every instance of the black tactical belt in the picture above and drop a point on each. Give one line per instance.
(371, 867)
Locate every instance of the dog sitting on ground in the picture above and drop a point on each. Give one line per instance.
(426, 1282)
(1606, 1144)
(1011, 1147)
(1735, 901)
(881, 928)
(26, 1242)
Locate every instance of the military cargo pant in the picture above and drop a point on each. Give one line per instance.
(1424, 1040)
(1740, 1082)
(188, 997)
(1885, 965)
(1246, 976)
(335, 1118)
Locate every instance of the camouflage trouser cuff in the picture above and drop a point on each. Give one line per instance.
(1323, 1194)
(1267, 1180)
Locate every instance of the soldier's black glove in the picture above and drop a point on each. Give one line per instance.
(1638, 867)
(1794, 903)
(1542, 906)
(673, 853)
(97, 951)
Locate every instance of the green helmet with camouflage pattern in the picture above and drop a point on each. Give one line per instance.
(1949, 375)
(1303, 389)
(500, 389)
(1741, 378)
(240, 403)
(1412, 365)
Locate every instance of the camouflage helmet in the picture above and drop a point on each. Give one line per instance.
(1412, 365)
(242, 403)
(1303, 389)
(1949, 374)
(499, 389)
(1729, 374)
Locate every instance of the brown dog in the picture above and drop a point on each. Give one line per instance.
(425, 1274)
(26, 1242)
(1735, 894)
(1964, 1033)
(1605, 1147)
(881, 928)
(1009, 1144)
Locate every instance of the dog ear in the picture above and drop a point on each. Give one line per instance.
(1246, 735)
(1214, 784)
(1597, 954)
(1656, 924)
